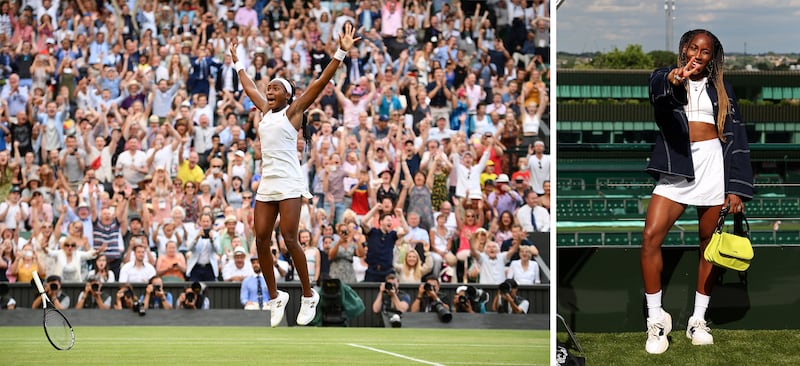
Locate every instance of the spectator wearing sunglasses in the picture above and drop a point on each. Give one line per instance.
(70, 259)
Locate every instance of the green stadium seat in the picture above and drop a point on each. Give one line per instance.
(632, 206)
(762, 237)
(590, 239)
(674, 238)
(788, 238)
(616, 206)
(617, 239)
(566, 239)
(599, 208)
(570, 184)
(636, 238)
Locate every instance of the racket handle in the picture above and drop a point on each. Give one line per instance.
(38, 282)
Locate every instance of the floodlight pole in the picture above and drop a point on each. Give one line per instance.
(669, 9)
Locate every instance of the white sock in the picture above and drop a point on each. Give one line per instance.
(700, 305)
(654, 305)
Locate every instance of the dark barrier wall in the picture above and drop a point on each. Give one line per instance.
(600, 290)
(225, 295)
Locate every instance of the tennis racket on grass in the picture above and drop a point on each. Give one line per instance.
(56, 326)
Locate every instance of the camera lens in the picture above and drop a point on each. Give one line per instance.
(428, 287)
(128, 293)
(54, 286)
(157, 288)
(95, 287)
(389, 286)
(445, 316)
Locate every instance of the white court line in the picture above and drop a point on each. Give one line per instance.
(395, 354)
(260, 339)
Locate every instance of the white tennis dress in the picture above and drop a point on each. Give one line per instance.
(281, 176)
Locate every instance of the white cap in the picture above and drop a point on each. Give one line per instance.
(502, 178)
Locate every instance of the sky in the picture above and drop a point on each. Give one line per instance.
(754, 26)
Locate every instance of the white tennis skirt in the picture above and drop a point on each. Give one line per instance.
(708, 186)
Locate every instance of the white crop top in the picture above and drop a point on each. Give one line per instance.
(699, 108)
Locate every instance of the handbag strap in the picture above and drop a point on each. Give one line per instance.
(721, 221)
(738, 228)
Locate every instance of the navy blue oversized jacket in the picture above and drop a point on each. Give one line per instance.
(672, 153)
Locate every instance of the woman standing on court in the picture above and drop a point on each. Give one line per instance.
(701, 158)
(282, 183)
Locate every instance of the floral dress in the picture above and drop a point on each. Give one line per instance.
(419, 202)
(440, 193)
(342, 264)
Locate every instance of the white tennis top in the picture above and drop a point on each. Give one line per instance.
(699, 108)
(281, 176)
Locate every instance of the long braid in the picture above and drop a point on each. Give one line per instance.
(304, 123)
(714, 71)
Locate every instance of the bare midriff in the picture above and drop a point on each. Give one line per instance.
(701, 131)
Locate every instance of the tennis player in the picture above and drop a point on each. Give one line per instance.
(701, 158)
(282, 183)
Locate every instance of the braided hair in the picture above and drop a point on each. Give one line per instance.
(713, 71)
(304, 125)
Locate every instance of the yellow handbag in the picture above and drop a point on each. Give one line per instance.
(732, 251)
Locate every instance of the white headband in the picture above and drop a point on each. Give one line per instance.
(285, 84)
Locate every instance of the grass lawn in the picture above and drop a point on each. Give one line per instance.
(279, 346)
(731, 347)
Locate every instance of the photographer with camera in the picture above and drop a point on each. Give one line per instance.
(429, 300)
(469, 299)
(92, 296)
(6, 302)
(193, 297)
(126, 299)
(154, 295)
(52, 287)
(391, 302)
(507, 301)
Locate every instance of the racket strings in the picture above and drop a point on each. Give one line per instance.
(58, 330)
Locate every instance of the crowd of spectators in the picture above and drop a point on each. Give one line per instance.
(126, 143)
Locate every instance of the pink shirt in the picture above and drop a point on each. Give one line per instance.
(391, 21)
(352, 110)
(246, 18)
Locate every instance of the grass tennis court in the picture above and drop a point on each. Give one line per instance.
(241, 346)
(731, 347)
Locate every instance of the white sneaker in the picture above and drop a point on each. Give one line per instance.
(277, 307)
(657, 331)
(308, 309)
(698, 332)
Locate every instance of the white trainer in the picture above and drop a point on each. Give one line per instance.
(277, 307)
(698, 332)
(308, 309)
(657, 331)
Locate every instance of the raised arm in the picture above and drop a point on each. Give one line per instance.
(346, 40)
(366, 220)
(259, 100)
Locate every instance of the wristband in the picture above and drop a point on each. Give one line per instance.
(238, 66)
(340, 54)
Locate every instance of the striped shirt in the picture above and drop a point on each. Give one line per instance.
(110, 235)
